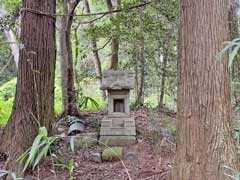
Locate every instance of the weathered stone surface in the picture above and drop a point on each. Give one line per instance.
(118, 140)
(118, 80)
(96, 157)
(118, 95)
(118, 131)
(28, 178)
(112, 154)
(61, 130)
(118, 127)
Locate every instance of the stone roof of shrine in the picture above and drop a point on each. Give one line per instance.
(118, 80)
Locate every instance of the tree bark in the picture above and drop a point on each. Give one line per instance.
(34, 99)
(113, 62)
(68, 90)
(13, 43)
(140, 95)
(204, 140)
(163, 79)
(97, 61)
(135, 65)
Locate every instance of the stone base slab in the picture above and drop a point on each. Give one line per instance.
(118, 131)
(118, 140)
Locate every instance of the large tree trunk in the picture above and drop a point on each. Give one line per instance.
(34, 99)
(97, 61)
(13, 43)
(113, 64)
(204, 141)
(68, 91)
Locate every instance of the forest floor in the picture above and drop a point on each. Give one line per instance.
(149, 159)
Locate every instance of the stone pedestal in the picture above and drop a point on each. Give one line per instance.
(118, 131)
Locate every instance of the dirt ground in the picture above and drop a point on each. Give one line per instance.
(151, 157)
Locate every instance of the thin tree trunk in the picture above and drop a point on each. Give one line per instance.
(163, 79)
(68, 90)
(13, 43)
(204, 140)
(135, 64)
(140, 96)
(113, 64)
(97, 61)
(34, 99)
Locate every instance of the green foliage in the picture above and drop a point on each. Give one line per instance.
(7, 65)
(38, 150)
(157, 22)
(84, 101)
(70, 168)
(58, 96)
(234, 175)
(5, 110)
(234, 45)
(7, 92)
(10, 5)
(13, 175)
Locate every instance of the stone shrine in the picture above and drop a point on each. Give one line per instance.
(118, 126)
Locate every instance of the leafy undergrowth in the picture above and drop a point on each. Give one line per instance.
(150, 158)
(7, 93)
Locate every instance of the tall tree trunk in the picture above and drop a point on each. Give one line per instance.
(68, 90)
(163, 79)
(140, 95)
(113, 64)
(13, 43)
(97, 61)
(34, 99)
(204, 141)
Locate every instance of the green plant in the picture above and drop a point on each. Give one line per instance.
(83, 102)
(4, 173)
(38, 150)
(234, 174)
(70, 168)
(234, 45)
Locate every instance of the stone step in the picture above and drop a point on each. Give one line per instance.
(116, 131)
(118, 140)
